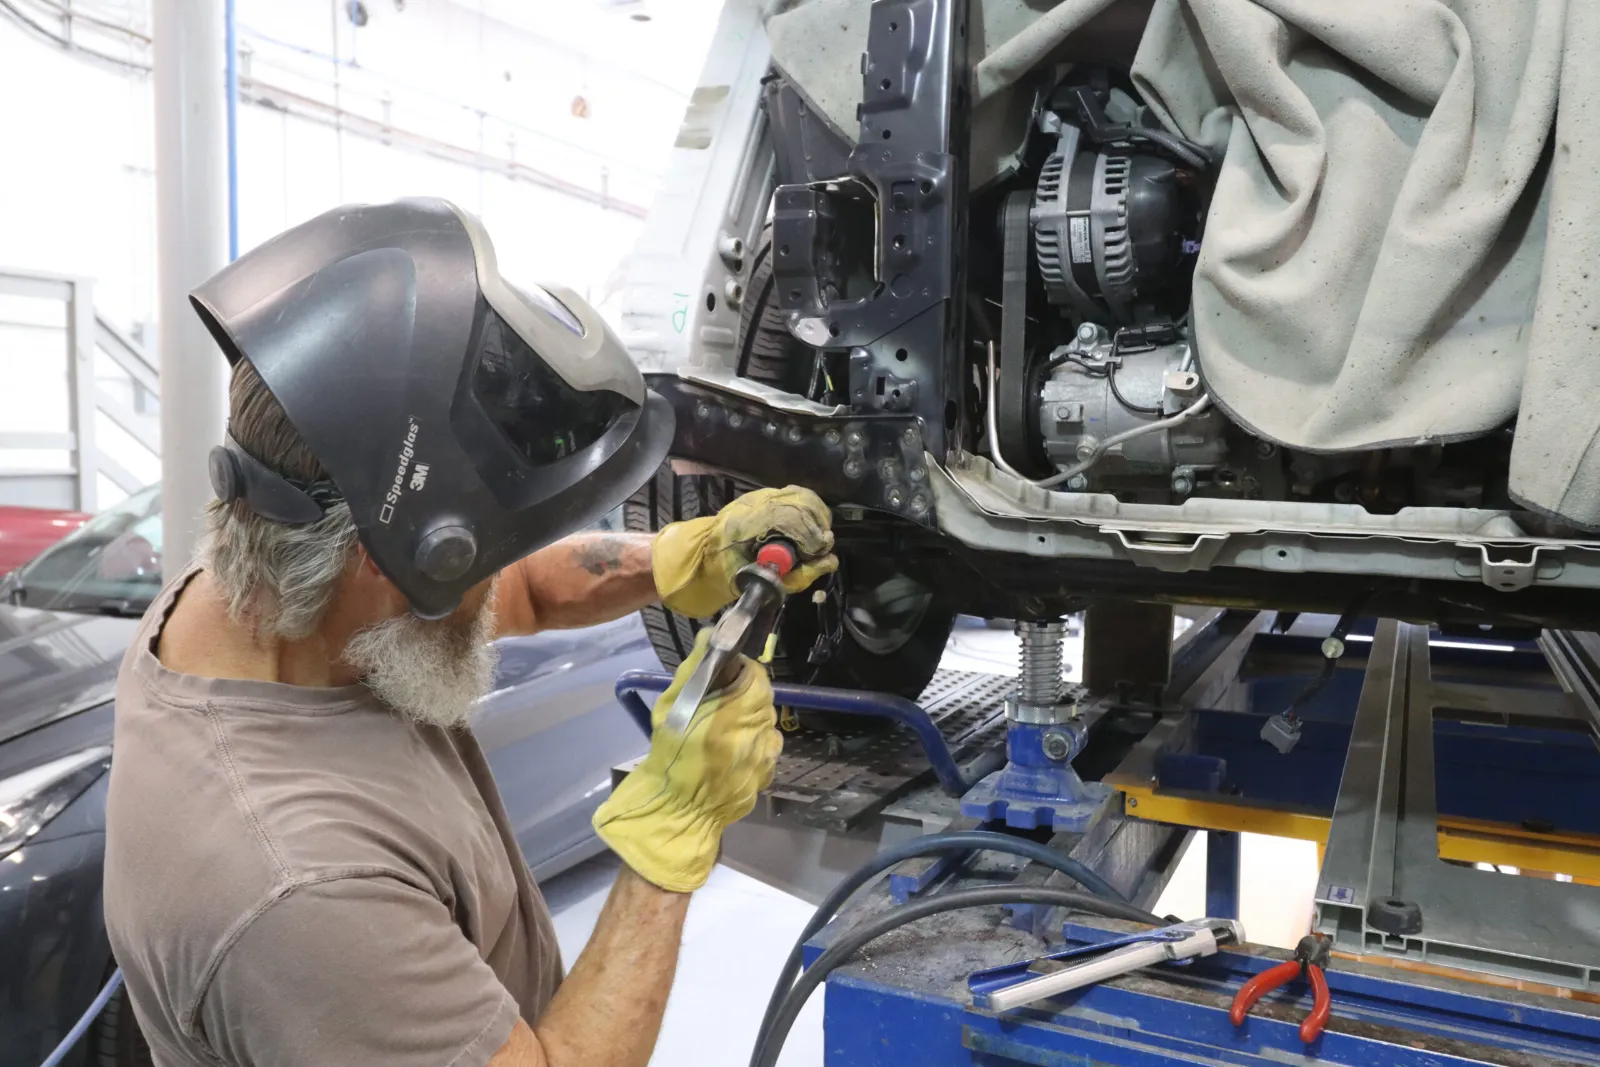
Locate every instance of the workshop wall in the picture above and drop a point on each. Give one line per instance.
(550, 119)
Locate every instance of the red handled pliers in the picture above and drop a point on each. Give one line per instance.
(1310, 957)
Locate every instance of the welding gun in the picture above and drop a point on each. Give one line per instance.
(743, 630)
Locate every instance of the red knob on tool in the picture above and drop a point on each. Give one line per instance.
(779, 556)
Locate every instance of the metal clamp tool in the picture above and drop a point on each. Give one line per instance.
(742, 630)
(1015, 985)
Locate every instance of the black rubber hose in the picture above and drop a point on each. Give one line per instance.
(929, 845)
(1330, 664)
(775, 1031)
(1183, 150)
(1093, 370)
(1111, 376)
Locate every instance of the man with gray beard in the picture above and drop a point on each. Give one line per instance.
(307, 861)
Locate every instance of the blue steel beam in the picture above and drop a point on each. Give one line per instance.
(1222, 874)
(1168, 1015)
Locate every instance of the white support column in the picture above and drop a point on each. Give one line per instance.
(80, 386)
(192, 245)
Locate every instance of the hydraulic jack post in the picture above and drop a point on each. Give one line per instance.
(1045, 730)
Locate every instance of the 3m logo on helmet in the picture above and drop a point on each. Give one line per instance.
(397, 488)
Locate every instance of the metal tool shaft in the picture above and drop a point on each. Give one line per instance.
(741, 631)
(1067, 979)
(1003, 988)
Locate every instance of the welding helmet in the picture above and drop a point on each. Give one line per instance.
(466, 421)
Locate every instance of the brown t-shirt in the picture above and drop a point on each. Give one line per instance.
(300, 876)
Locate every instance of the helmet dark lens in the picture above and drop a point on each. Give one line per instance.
(543, 417)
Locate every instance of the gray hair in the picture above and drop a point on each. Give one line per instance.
(277, 579)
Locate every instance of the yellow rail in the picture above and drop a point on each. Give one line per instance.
(1462, 840)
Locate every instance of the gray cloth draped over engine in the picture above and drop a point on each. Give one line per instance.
(1400, 246)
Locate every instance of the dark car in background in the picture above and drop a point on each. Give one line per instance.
(551, 728)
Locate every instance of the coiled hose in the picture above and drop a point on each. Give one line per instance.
(962, 841)
(775, 1028)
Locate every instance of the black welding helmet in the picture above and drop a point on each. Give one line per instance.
(466, 421)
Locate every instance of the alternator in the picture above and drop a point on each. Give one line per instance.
(1107, 227)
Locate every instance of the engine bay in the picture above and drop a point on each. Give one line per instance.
(1079, 369)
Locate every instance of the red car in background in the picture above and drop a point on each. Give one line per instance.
(26, 532)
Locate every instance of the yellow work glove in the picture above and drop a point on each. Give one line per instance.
(695, 561)
(666, 818)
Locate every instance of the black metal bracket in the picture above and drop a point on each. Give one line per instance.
(807, 146)
(866, 461)
(909, 321)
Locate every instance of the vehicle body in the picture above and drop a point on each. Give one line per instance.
(551, 728)
(26, 532)
(967, 324)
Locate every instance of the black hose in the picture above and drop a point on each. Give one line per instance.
(1330, 664)
(930, 845)
(1111, 377)
(775, 1030)
(1093, 370)
(1184, 151)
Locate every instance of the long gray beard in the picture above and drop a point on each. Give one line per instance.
(430, 672)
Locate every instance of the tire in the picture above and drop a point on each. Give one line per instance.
(668, 498)
(114, 1039)
(768, 352)
(900, 657)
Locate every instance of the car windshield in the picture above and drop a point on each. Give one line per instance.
(110, 565)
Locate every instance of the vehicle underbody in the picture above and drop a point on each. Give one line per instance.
(1000, 383)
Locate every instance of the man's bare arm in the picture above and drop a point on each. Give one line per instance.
(608, 1011)
(581, 580)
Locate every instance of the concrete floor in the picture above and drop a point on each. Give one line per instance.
(739, 929)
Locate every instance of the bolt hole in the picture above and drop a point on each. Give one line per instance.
(711, 301)
(738, 247)
(899, 240)
(885, 83)
(925, 186)
(795, 295)
(901, 354)
(895, 394)
(833, 329)
(736, 293)
(893, 26)
(1041, 540)
(1283, 553)
(783, 250)
(887, 134)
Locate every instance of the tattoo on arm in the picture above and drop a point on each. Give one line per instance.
(581, 580)
(601, 555)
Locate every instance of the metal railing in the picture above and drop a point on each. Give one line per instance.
(113, 395)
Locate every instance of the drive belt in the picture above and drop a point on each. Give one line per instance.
(1014, 397)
